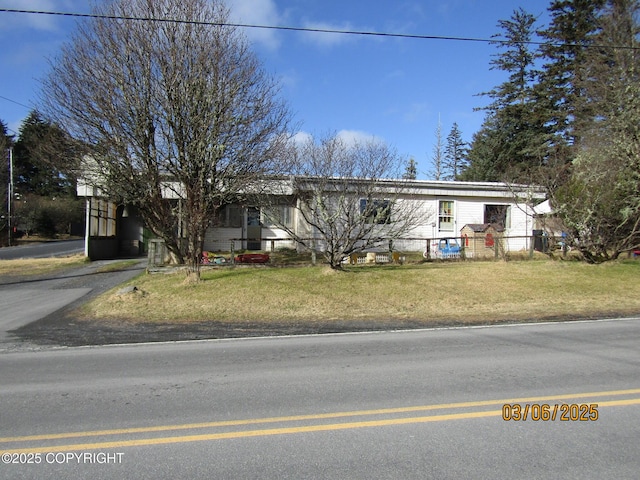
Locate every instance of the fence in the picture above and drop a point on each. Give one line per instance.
(478, 246)
(394, 250)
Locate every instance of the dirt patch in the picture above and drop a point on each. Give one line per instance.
(63, 331)
(70, 332)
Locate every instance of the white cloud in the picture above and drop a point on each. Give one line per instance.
(349, 138)
(301, 138)
(41, 22)
(13, 21)
(352, 137)
(257, 12)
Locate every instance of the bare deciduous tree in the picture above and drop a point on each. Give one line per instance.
(349, 198)
(170, 99)
(437, 159)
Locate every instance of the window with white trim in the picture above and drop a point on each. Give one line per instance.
(230, 216)
(278, 216)
(446, 216)
(102, 218)
(498, 215)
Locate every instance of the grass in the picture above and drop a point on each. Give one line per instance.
(117, 266)
(427, 294)
(38, 266)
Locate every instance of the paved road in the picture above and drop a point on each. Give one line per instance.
(42, 250)
(421, 404)
(27, 299)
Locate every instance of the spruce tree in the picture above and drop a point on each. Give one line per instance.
(455, 154)
(487, 163)
(566, 43)
(411, 170)
(44, 159)
(513, 137)
(6, 141)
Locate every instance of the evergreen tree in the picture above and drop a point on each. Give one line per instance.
(566, 42)
(44, 158)
(6, 141)
(411, 170)
(517, 60)
(455, 154)
(600, 204)
(487, 162)
(513, 138)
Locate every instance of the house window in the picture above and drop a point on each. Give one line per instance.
(230, 216)
(376, 211)
(445, 216)
(102, 218)
(278, 216)
(498, 215)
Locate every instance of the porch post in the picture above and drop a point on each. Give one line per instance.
(87, 226)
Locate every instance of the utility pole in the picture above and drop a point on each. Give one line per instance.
(10, 193)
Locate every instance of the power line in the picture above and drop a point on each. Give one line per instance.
(492, 40)
(13, 101)
(266, 27)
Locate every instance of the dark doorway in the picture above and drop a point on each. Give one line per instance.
(254, 229)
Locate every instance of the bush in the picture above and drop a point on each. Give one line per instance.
(47, 217)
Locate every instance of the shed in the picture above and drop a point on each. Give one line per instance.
(479, 239)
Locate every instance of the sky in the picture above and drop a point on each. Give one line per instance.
(396, 90)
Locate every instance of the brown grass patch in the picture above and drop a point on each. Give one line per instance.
(38, 266)
(438, 292)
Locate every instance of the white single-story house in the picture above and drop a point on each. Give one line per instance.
(446, 206)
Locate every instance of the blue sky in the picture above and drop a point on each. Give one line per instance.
(394, 89)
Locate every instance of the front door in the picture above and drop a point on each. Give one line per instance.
(254, 229)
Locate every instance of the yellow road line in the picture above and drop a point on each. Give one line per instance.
(256, 433)
(280, 431)
(619, 403)
(301, 429)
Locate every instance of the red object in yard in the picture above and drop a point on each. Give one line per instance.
(252, 258)
(489, 241)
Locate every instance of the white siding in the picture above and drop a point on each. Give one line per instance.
(271, 240)
(469, 198)
(469, 210)
(219, 239)
(521, 226)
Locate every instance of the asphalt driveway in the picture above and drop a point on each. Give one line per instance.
(40, 312)
(29, 303)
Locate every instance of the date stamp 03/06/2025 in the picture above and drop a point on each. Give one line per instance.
(564, 412)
